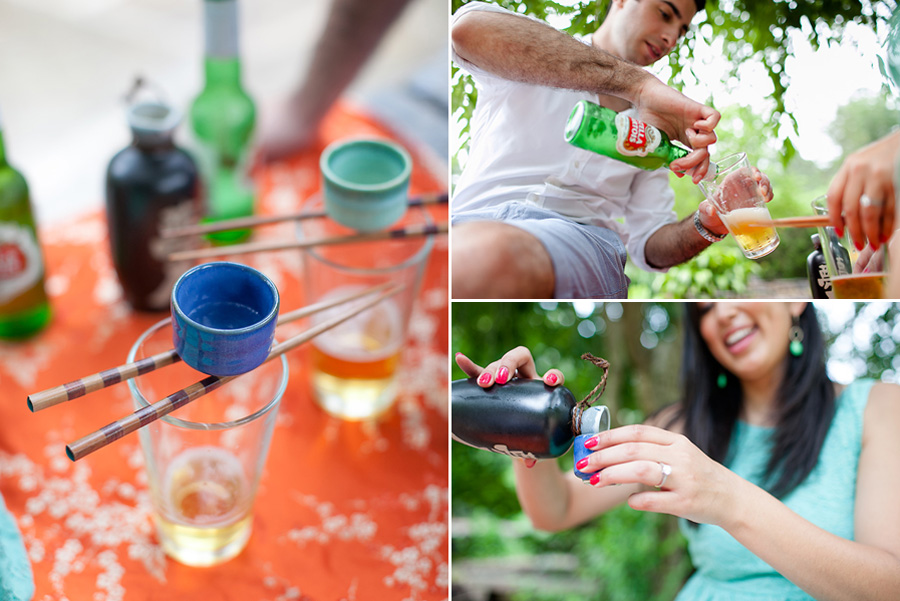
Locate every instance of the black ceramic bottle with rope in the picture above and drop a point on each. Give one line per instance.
(524, 418)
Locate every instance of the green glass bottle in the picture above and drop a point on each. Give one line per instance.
(222, 117)
(24, 308)
(604, 131)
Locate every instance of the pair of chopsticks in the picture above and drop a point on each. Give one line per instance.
(811, 221)
(247, 222)
(146, 415)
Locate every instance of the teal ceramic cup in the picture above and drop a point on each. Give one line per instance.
(365, 183)
(223, 318)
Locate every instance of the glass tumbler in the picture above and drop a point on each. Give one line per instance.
(354, 365)
(849, 279)
(735, 194)
(204, 461)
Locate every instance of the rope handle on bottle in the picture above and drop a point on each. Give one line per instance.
(593, 395)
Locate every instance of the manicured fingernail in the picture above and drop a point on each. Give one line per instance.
(582, 463)
(839, 231)
(884, 238)
(551, 379)
(484, 378)
(502, 375)
(595, 479)
(591, 442)
(859, 245)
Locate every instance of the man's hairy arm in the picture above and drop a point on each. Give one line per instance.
(524, 50)
(674, 243)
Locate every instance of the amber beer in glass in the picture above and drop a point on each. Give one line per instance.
(735, 193)
(354, 365)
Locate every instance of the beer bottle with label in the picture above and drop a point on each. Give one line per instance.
(222, 118)
(522, 418)
(151, 185)
(24, 308)
(602, 130)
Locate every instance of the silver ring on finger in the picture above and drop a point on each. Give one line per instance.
(666, 469)
(866, 201)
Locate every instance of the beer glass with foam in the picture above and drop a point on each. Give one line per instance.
(740, 205)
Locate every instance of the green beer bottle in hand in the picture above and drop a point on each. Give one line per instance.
(602, 130)
(222, 118)
(24, 308)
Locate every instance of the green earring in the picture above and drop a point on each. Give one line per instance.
(796, 337)
(722, 380)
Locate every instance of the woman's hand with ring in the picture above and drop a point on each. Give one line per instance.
(861, 195)
(693, 487)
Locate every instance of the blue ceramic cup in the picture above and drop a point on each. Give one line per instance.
(581, 452)
(365, 183)
(223, 318)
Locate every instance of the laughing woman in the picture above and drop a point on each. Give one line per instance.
(787, 483)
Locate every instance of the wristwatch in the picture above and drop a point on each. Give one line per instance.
(707, 235)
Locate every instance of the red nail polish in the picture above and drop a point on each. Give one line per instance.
(551, 379)
(859, 246)
(582, 463)
(595, 479)
(484, 378)
(591, 442)
(839, 231)
(502, 375)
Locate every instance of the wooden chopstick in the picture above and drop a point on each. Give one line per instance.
(248, 222)
(811, 221)
(252, 247)
(86, 385)
(149, 414)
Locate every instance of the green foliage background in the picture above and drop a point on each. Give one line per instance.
(750, 30)
(625, 554)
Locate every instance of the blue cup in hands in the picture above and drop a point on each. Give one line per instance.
(581, 452)
(365, 183)
(223, 318)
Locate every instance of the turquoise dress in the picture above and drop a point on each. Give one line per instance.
(725, 569)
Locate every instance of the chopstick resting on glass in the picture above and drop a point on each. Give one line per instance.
(78, 388)
(248, 222)
(146, 415)
(251, 247)
(810, 221)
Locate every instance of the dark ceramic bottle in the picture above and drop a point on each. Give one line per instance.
(522, 418)
(151, 185)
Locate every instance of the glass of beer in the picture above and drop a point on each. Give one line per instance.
(849, 277)
(354, 365)
(204, 460)
(741, 206)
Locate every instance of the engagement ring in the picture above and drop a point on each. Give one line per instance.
(666, 470)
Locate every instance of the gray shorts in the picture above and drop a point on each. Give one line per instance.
(588, 261)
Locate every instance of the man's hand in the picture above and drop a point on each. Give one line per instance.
(682, 119)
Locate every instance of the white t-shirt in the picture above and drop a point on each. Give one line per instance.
(518, 153)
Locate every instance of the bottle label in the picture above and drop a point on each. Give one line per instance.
(221, 29)
(635, 138)
(497, 448)
(824, 280)
(20, 260)
(160, 248)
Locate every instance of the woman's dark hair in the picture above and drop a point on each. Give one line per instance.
(805, 404)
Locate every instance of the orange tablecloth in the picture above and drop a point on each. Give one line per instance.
(344, 511)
